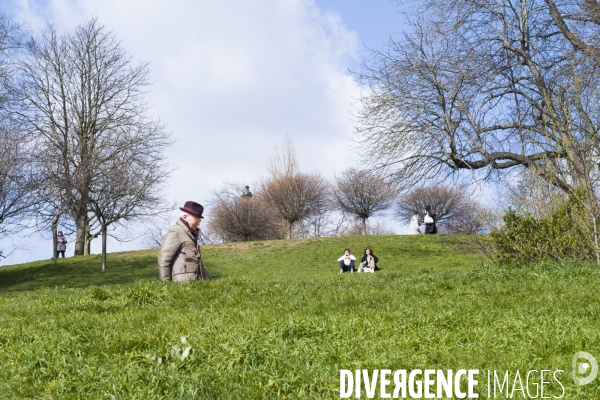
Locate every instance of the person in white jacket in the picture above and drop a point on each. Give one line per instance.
(413, 228)
(347, 262)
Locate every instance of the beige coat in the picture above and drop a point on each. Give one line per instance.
(179, 257)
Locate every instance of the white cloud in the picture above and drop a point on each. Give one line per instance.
(231, 78)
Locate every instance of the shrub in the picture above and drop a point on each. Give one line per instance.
(566, 234)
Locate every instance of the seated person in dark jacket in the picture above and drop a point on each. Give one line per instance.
(369, 262)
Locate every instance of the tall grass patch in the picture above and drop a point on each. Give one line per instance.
(241, 337)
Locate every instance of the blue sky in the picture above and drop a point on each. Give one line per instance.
(232, 78)
(374, 21)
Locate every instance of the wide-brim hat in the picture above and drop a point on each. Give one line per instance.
(193, 208)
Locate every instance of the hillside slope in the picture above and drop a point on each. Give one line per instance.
(272, 260)
(279, 322)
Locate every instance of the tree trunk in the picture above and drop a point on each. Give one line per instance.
(289, 232)
(80, 235)
(54, 238)
(88, 239)
(364, 226)
(104, 247)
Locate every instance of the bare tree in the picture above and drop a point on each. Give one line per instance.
(531, 195)
(16, 181)
(455, 211)
(483, 87)
(579, 22)
(324, 223)
(283, 161)
(292, 195)
(85, 108)
(295, 197)
(362, 194)
(378, 228)
(17, 178)
(479, 219)
(129, 186)
(12, 38)
(155, 232)
(236, 216)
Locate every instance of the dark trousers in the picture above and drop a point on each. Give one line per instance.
(430, 228)
(347, 268)
(58, 252)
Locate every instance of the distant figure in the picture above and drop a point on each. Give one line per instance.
(429, 220)
(347, 262)
(369, 262)
(61, 244)
(413, 228)
(179, 257)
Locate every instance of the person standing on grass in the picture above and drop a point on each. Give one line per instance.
(61, 244)
(347, 262)
(413, 228)
(179, 257)
(429, 220)
(369, 262)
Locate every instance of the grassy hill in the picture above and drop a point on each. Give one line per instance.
(278, 321)
(268, 260)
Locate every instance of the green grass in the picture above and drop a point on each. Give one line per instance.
(269, 260)
(278, 321)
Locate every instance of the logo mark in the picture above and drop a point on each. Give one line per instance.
(581, 368)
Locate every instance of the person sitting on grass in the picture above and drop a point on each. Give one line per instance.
(369, 262)
(347, 262)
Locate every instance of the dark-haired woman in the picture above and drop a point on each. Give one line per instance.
(368, 263)
(429, 220)
(61, 244)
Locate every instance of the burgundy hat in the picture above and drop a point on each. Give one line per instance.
(193, 208)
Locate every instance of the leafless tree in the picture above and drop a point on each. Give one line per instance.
(16, 181)
(579, 22)
(17, 178)
(378, 228)
(293, 196)
(283, 161)
(480, 219)
(85, 108)
(236, 217)
(325, 222)
(12, 38)
(155, 232)
(362, 194)
(531, 195)
(483, 87)
(296, 197)
(455, 211)
(129, 186)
